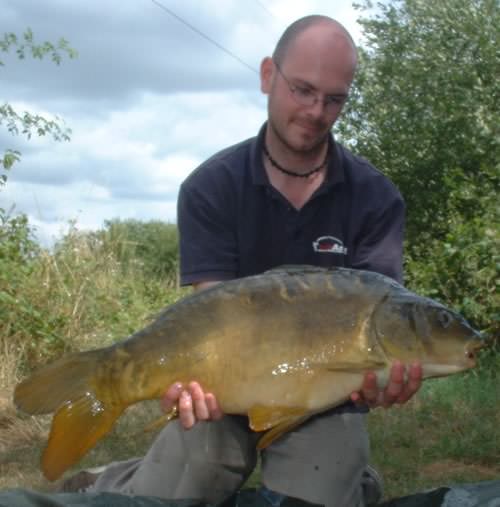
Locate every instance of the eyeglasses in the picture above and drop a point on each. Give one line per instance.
(308, 97)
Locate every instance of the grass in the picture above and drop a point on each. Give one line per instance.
(450, 433)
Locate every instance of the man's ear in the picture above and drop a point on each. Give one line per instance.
(266, 74)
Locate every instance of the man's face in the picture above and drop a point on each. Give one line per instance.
(307, 91)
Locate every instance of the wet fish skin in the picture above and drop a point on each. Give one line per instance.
(277, 347)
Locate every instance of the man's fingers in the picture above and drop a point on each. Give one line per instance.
(413, 384)
(213, 407)
(415, 377)
(192, 403)
(171, 397)
(368, 394)
(199, 404)
(396, 384)
(356, 397)
(370, 390)
(399, 389)
(186, 412)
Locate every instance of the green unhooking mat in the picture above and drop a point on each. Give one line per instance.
(481, 494)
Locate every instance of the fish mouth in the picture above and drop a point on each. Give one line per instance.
(472, 349)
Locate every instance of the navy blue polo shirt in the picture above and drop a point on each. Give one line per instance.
(234, 223)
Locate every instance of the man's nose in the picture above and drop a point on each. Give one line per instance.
(317, 109)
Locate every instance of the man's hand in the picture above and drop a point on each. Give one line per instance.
(398, 390)
(192, 403)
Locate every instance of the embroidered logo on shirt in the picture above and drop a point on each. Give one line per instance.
(329, 244)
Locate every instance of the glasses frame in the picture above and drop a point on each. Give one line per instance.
(306, 96)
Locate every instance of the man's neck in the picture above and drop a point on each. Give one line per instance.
(297, 191)
(294, 161)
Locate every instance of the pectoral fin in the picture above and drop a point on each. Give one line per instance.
(163, 420)
(274, 433)
(278, 419)
(263, 417)
(356, 366)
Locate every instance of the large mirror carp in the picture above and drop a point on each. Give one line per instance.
(277, 347)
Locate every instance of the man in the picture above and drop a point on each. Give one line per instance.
(289, 196)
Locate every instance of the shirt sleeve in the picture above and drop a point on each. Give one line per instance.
(380, 245)
(207, 237)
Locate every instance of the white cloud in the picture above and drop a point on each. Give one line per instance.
(130, 163)
(147, 99)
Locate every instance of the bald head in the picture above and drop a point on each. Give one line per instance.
(323, 26)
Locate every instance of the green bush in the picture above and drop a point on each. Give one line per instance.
(77, 296)
(152, 246)
(462, 270)
(20, 314)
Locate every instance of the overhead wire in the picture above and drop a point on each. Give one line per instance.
(266, 9)
(205, 36)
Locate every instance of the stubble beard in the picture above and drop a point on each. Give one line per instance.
(306, 151)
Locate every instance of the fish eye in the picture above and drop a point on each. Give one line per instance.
(444, 319)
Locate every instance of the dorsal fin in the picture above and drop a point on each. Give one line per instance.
(296, 269)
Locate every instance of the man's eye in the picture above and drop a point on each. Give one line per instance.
(333, 99)
(304, 92)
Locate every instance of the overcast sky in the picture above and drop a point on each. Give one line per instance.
(147, 99)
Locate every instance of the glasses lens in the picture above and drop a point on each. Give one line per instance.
(303, 96)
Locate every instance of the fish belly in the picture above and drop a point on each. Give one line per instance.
(318, 392)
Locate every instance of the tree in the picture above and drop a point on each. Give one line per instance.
(425, 110)
(425, 106)
(26, 123)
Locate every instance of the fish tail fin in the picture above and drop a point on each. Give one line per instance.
(85, 409)
(59, 382)
(76, 428)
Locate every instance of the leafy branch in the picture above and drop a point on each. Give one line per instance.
(26, 44)
(27, 123)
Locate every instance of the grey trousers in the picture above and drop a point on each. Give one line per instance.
(321, 462)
